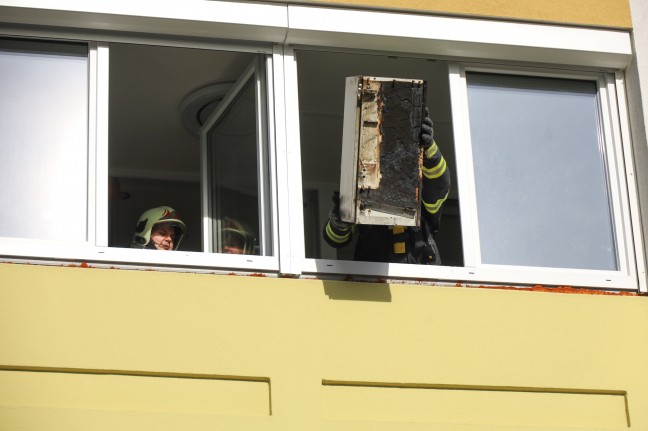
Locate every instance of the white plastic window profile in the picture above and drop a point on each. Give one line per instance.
(89, 173)
(234, 143)
(540, 179)
(44, 140)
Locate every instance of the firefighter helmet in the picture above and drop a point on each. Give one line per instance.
(237, 238)
(152, 217)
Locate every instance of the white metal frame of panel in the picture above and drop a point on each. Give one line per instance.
(362, 146)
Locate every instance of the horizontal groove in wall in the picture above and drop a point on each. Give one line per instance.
(134, 391)
(465, 404)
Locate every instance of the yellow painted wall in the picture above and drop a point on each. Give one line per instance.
(85, 348)
(603, 13)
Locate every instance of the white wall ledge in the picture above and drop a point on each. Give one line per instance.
(459, 37)
(193, 18)
(332, 27)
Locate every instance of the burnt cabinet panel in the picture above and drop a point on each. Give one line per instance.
(380, 179)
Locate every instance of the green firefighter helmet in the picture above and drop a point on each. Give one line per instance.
(237, 238)
(152, 217)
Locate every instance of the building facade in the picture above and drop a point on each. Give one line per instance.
(231, 113)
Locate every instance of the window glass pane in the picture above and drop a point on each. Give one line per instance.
(160, 99)
(43, 140)
(542, 194)
(234, 181)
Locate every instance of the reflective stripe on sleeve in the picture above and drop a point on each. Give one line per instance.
(436, 171)
(434, 207)
(432, 150)
(335, 237)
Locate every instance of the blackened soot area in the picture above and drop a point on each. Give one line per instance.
(399, 152)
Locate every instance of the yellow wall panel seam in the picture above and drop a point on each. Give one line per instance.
(83, 388)
(326, 382)
(134, 373)
(503, 405)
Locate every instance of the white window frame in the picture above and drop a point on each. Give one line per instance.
(276, 29)
(257, 70)
(619, 175)
(548, 47)
(95, 249)
(29, 247)
(625, 277)
(473, 271)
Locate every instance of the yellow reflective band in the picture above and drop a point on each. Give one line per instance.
(335, 237)
(436, 171)
(398, 229)
(433, 208)
(432, 150)
(399, 247)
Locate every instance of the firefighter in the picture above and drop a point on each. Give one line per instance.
(159, 228)
(237, 238)
(398, 244)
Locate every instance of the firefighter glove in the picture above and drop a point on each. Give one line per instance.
(427, 132)
(334, 215)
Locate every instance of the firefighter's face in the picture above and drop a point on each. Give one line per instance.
(163, 235)
(233, 244)
(229, 249)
